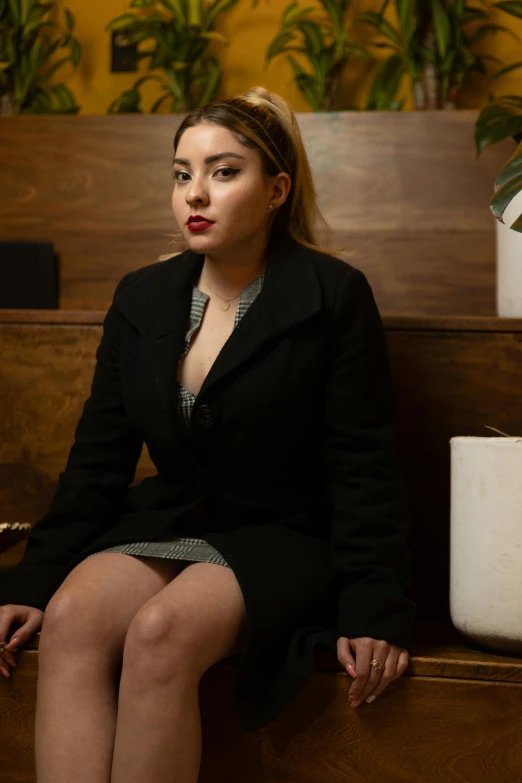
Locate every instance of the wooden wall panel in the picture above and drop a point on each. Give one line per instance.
(45, 376)
(401, 189)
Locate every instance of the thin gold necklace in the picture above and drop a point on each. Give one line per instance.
(227, 301)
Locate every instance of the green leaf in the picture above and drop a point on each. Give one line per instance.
(386, 84)
(498, 120)
(70, 20)
(380, 24)
(507, 185)
(122, 22)
(293, 13)
(44, 77)
(370, 17)
(127, 103)
(510, 7)
(212, 83)
(216, 8)
(278, 45)
(24, 10)
(407, 13)
(15, 12)
(174, 6)
(40, 103)
(313, 37)
(507, 69)
(213, 35)
(486, 29)
(306, 84)
(472, 14)
(492, 58)
(64, 95)
(142, 3)
(155, 106)
(441, 26)
(76, 51)
(195, 13)
(35, 20)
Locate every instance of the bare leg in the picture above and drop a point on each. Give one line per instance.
(195, 621)
(162, 724)
(79, 663)
(75, 717)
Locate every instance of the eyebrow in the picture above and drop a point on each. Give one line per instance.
(210, 158)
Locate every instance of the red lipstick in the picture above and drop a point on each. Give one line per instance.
(198, 223)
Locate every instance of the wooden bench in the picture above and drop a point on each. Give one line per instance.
(454, 716)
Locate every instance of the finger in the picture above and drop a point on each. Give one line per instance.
(388, 675)
(380, 653)
(22, 635)
(344, 655)
(26, 631)
(363, 654)
(7, 659)
(6, 655)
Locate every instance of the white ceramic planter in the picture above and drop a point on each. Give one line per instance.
(486, 541)
(509, 263)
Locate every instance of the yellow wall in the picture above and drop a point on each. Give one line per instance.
(250, 31)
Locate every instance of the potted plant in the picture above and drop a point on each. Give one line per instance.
(322, 36)
(175, 36)
(28, 42)
(486, 541)
(501, 119)
(431, 46)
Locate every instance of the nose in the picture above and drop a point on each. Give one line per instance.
(196, 192)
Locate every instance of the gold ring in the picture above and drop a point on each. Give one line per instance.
(3, 645)
(379, 665)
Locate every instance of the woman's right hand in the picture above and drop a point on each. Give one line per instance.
(28, 621)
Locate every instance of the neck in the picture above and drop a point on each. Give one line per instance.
(227, 274)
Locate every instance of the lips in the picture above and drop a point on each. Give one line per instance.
(198, 219)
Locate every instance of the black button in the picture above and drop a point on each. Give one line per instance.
(206, 416)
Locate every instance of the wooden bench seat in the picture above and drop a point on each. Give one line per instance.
(454, 717)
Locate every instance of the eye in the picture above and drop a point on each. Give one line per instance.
(228, 168)
(174, 174)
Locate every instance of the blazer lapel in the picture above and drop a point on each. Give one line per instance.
(158, 305)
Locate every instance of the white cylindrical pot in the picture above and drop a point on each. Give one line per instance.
(486, 541)
(509, 263)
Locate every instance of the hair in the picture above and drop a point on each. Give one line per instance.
(264, 121)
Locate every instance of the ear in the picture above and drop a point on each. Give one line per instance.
(281, 186)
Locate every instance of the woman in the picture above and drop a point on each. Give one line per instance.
(254, 367)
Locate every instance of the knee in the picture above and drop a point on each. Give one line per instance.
(70, 621)
(161, 645)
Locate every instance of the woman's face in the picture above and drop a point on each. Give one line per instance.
(228, 190)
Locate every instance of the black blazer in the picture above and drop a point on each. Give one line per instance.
(289, 469)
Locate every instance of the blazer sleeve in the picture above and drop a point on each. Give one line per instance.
(369, 554)
(91, 489)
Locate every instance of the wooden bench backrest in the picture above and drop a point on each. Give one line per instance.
(401, 189)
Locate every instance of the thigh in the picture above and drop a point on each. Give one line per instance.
(95, 604)
(196, 620)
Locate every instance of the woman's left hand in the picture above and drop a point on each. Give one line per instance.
(367, 680)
